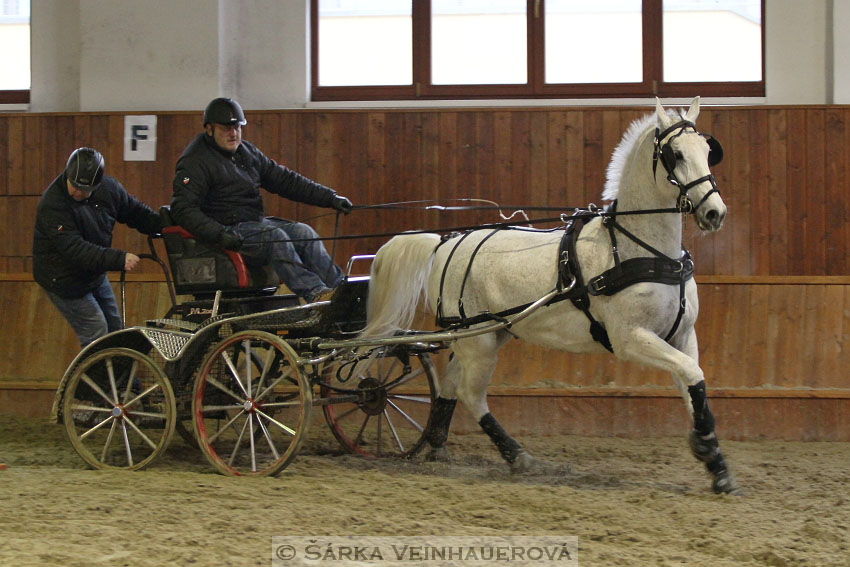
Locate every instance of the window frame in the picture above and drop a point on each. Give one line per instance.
(15, 97)
(19, 96)
(422, 89)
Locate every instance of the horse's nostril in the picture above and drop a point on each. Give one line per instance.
(712, 216)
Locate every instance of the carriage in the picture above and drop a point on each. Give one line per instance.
(244, 367)
(238, 369)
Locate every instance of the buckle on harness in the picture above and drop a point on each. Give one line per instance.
(683, 265)
(597, 283)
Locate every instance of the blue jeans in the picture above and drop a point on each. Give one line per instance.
(92, 315)
(293, 250)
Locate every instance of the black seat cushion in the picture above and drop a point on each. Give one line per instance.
(198, 268)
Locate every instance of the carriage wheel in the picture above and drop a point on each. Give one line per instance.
(186, 431)
(119, 410)
(391, 416)
(251, 419)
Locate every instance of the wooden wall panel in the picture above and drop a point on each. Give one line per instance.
(770, 337)
(38, 344)
(784, 180)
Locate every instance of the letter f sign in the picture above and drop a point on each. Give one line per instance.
(138, 133)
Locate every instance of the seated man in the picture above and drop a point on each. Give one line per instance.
(217, 198)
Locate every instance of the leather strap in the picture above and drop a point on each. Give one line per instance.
(637, 270)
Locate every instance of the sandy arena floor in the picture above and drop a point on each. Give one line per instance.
(629, 502)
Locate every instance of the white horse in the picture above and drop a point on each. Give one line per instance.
(494, 271)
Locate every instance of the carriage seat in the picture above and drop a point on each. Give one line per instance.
(199, 269)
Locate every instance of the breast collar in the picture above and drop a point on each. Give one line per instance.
(657, 268)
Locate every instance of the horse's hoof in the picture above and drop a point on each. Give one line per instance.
(724, 483)
(523, 464)
(437, 455)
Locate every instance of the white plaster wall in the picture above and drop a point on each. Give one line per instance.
(150, 55)
(142, 55)
(264, 52)
(796, 51)
(55, 55)
(841, 51)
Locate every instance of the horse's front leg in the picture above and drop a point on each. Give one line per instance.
(704, 444)
(647, 348)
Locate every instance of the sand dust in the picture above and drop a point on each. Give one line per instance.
(629, 502)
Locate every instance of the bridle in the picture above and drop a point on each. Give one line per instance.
(665, 153)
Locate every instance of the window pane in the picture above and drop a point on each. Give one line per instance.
(594, 41)
(15, 45)
(365, 42)
(478, 42)
(712, 40)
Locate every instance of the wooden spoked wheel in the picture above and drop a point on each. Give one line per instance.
(119, 410)
(381, 406)
(251, 417)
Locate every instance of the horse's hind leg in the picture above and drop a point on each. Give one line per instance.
(441, 416)
(513, 453)
(477, 360)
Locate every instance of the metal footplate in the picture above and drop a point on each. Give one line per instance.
(297, 318)
(169, 343)
(173, 324)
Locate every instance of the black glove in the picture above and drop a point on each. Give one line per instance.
(341, 204)
(230, 241)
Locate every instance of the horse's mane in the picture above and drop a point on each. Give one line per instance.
(624, 149)
(621, 154)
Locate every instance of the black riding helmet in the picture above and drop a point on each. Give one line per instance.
(224, 111)
(85, 169)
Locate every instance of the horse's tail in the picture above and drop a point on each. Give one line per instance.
(399, 278)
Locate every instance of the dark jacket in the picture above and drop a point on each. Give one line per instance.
(214, 188)
(72, 239)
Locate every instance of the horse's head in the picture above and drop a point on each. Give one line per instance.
(685, 156)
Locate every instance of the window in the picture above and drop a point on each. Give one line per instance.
(365, 42)
(691, 56)
(478, 43)
(15, 47)
(432, 49)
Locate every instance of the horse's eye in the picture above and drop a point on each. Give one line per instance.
(678, 155)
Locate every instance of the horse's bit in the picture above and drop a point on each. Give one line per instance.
(665, 152)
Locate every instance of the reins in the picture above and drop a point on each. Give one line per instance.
(466, 228)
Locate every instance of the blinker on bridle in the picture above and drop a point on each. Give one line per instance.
(664, 152)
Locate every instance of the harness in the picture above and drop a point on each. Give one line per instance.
(461, 320)
(664, 153)
(657, 268)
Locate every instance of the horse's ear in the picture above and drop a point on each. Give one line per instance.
(693, 111)
(664, 121)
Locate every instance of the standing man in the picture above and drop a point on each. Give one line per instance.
(217, 198)
(73, 238)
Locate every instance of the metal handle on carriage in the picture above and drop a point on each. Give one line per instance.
(216, 302)
(318, 359)
(445, 336)
(123, 281)
(354, 259)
